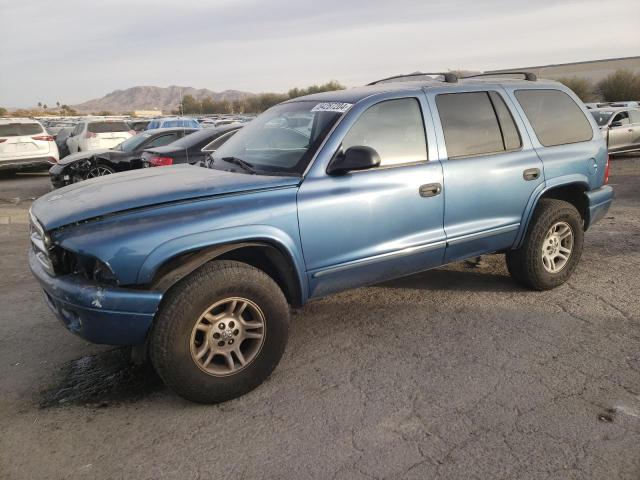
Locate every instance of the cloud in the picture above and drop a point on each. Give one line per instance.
(73, 50)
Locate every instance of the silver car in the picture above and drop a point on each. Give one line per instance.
(621, 127)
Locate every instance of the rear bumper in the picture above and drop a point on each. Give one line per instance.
(599, 201)
(99, 314)
(25, 163)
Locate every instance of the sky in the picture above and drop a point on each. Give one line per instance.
(73, 50)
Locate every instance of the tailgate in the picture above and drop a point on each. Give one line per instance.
(22, 146)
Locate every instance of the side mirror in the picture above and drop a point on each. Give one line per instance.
(615, 124)
(355, 158)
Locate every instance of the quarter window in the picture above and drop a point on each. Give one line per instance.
(394, 129)
(622, 118)
(470, 124)
(555, 117)
(635, 116)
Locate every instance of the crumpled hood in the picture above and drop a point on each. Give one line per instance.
(142, 188)
(74, 157)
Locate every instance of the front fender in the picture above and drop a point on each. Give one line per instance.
(240, 234)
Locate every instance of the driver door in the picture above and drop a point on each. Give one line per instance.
(371, 225)
(620, 135)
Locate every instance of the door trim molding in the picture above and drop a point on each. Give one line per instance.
(485, 233)
(379, 258)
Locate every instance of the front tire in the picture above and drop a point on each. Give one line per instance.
(220, 332)
(552, 246)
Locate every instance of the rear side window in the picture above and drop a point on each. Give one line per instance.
(635, 116)
(555, 117)
(622, 118)
(105, 127)
(162, 140)
(19, 129)
(394, 129)
(510, 134)
(471, 126)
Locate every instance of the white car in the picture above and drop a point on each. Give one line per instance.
(24, 143)
(98, 134)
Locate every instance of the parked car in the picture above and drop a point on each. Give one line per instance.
(138, 125)
(621, 127)
(123, 157)
(98, 134)
(198, 266)
(24, 143)
(170, 122)
(61, 140)
(55, 127)
(191, 149)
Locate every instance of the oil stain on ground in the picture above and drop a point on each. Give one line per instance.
(101, 380)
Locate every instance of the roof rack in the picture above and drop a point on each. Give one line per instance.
(448, 77)
(531, 77)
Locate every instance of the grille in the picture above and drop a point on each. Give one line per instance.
(39, 244)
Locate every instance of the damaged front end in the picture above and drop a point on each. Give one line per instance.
(83, 292)
(65, 174)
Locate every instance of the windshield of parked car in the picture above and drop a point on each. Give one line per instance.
(107, 127)
(283, 139)
(602, 118)
(134, 142)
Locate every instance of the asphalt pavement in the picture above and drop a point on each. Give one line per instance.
(450, 374)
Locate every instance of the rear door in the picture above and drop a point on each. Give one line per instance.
(23, 140)
(490, 171)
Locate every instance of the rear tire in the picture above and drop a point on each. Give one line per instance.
(552, 246)
(220, 332)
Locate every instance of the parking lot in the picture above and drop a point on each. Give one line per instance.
(453, 373)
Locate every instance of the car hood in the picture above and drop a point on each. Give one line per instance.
(74, 157)
(143, 188)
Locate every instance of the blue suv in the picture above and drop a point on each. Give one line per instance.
(199, 266)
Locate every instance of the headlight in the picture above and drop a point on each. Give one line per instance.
(103, 274)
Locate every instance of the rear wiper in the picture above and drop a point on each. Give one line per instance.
(238, 161)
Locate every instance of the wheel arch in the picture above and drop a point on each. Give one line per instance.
(571, 191)
(267, 256)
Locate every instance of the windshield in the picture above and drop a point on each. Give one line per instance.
(132, 143)
(602, 118)
(283, 139)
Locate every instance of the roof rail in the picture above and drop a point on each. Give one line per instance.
(531, 77)
(448, 77)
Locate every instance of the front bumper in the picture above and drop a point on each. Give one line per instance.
(599, 201)
(27, 163)
(59, 176)
(99, 314)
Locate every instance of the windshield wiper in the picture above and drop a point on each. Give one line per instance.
(238, 161)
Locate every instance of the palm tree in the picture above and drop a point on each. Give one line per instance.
(44, 106)
(39, 104)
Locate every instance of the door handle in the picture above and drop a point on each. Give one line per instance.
(630, 130)
(531, 174)
(430, 190)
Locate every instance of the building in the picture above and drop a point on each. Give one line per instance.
(593, 70)
(147, 113)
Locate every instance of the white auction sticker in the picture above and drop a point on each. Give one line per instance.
(338, 107)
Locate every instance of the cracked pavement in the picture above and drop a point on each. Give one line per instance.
(452, 373)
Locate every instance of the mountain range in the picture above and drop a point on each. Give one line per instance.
(152, 98)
